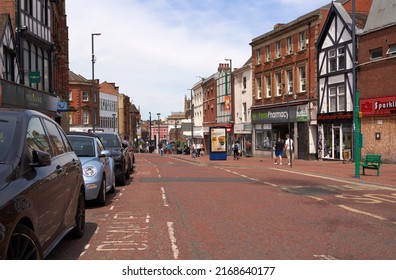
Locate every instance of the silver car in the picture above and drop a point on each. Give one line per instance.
(97, 166)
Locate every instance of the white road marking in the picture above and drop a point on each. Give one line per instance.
(164, 197)
(172, 237)
(325, 257)
(361, 212)
(112, 208)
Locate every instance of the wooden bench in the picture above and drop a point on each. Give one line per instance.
(372, 161)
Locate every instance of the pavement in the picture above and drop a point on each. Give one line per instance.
(330, 168)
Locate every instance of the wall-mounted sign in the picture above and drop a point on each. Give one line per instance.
(61, 106)
(34, 77)
(378, 106)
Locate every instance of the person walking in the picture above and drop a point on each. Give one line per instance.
(289, 149)
(278, 151)
(236, 149)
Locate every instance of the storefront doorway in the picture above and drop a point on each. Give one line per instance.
(334, 142)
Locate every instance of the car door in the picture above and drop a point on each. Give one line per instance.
(49, 190)
(69, 174)
(105, 162)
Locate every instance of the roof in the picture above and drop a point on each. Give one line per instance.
(110, 88)
(382, 14)
(73, 77)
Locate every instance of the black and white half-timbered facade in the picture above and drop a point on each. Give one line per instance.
(335, 86)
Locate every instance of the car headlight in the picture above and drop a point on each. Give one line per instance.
(90, 171)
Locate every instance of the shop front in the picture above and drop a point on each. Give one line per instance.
(335, 134)
(268, 125)
(243, 134)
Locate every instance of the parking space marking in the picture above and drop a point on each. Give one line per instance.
(324, 257)
(126, 232)
(172, 237)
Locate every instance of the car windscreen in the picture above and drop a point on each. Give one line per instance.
(110, 141)
(82, 146)
(7, 130)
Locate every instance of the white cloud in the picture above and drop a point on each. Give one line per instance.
(154, 50)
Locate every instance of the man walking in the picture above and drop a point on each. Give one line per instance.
(289, 149)
(278, 151)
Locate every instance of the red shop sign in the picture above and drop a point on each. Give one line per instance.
(378, 106)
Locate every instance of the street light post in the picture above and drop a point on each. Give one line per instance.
(93, 82)
(192, 117)
(114, 122)
(288, 124)
(159, 150)
(150, 133)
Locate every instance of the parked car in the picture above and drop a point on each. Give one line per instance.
(42, 196)
(97, 165)
(131, 152)
(119, 152)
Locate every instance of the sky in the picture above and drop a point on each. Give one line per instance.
(155, 50)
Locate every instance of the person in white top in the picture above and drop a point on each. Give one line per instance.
(288, 148)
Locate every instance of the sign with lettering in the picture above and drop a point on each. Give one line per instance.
(337, 117)
(275, 115)
(34, 77)
(378, 106)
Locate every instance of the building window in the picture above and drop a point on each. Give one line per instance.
(258, 56)
(302, 78)
(263, 142)
(85, 96)
(258, 86)
(278, 49)
(302, 39)
(392, 50)
(289, 45)
(70, 96)
(268, 53)
(332, 61)
(244, 83)
(341, 58)
(85, 116)
(268, 86)
(337, 99)
(376, 54)
(289, 74)
(278, 78)
(9, 65)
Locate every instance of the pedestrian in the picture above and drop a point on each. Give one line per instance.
(236, 149)
(278, 147)
(289, 148)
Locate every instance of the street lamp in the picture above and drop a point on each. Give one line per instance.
(114, 122)
(150, 134)
(159, 114)
(192, 117)
(289, 93)
(93, 82)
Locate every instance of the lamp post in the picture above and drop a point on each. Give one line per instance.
(114, 122)
(150, 133)
(192, 117)
(288, 125)
(93, 82)
(159, 151)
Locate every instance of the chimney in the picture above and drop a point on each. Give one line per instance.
(223, 66)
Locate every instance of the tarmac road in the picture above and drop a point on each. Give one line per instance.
(176, 207)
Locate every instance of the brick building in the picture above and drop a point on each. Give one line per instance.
(41, 48)
(376, 82)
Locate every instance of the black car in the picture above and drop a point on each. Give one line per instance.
(119, 152)
(41, 186)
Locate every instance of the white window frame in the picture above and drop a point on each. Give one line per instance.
(289, 45)
(258, 55)
(268, 52)
(302, 40)
(278, 49)
(302, 78)
(392, 50)
(268, 86)
(278, 79)
(70, 95)
(85, 96)
(85, 116)
(289, 76)
(259, 88)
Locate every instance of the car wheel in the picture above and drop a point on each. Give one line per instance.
(112, 189)
(78, 230)
(24, 245)
(101, 199)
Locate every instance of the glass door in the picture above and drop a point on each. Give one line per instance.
(337, 142)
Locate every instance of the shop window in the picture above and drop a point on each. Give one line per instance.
(263, 140)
